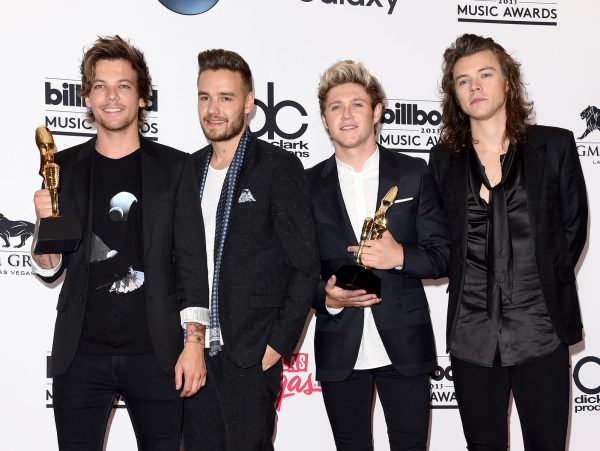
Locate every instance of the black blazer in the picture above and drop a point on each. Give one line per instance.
(270, 263)
(402, 318)
(174, 254)
(558, 214)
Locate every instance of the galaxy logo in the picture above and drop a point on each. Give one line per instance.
(189, 7)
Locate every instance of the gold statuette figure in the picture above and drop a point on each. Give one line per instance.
(49, 170)
(359, 276)
(58, 232)
(374, 228)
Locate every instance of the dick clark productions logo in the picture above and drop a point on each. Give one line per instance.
(189, 7)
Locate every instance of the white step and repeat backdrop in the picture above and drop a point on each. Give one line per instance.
(288, 43)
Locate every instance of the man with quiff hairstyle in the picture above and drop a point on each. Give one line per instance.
(363, 342)
(262, 262)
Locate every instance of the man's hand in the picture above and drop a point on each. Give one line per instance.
(190, 369)
(43, 209)
(43, 203)
(270, 358)
(385, 253)
(337, 297)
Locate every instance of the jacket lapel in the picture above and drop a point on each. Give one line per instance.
(153, 179)
(333, 197)
(250, 160)
(83, 176)
(458, 166)
(389, 173)
(534, 160)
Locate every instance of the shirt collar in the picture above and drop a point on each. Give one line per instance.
(369, 164)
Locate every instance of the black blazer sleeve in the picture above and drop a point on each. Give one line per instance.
(573, 200)
(294, 227)
(428, 257)
(188, 242)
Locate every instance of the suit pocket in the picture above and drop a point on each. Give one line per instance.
(266, 301)
(62, 302)
(414, 301)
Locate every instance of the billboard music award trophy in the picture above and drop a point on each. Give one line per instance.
(56, 233)
(359, 276)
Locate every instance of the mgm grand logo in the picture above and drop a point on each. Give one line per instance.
(586, 147)
(14, 256)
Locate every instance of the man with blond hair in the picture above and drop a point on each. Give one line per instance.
(364, 342)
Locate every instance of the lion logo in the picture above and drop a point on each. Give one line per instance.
(592, 119)
(10, 229)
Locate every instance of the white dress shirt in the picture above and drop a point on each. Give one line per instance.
(359, 191)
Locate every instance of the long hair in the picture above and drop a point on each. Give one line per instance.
(456, 127)
(116, 48)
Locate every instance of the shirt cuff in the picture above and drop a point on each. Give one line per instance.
(332, 310)
(198, 315)
(45, 272)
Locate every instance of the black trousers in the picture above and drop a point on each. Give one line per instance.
(235, 410)
(541, 392)
(405, 402)
(84, 395)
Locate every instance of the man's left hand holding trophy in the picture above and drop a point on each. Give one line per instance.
(54, 233)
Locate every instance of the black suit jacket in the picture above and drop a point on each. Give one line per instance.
(402, 318)
(558, 213)
(174, 255)
(269, 268)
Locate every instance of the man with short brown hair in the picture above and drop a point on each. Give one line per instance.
(138, 275)
(262, 263)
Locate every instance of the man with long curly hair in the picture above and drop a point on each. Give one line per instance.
(516, 203)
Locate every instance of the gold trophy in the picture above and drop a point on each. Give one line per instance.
(56, 233)
(49, 170)
(359, 276)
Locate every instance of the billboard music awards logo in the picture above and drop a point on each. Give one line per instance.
(588, 143)
(296, 379)
(410, 125)
(65, 110)
(283, 123)
(442, 386)
(188, 7)
(512, 12)
(586, 377)
(385, 5)
(14, 253)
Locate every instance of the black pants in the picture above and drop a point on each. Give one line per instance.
(84, 395)
(541, 392)
(405, 402)
(235, 411)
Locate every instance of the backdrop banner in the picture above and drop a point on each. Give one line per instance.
(288, 44)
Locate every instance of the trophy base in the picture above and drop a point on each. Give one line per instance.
(57, 235)
(354, 277)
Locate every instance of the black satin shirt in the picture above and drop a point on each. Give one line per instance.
(526, 331)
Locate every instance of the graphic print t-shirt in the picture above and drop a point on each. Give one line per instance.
(115, 318)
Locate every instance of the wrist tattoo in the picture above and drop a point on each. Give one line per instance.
(195, 328)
